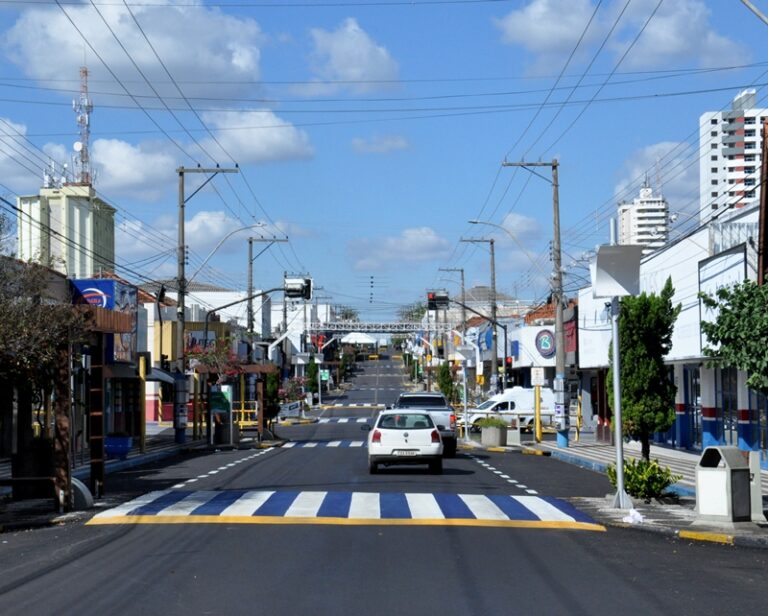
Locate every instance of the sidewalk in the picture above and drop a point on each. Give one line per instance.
(674, 516)
(38, 513)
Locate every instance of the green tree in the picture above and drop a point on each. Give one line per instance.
(271, 395)
(445, 380)
(312, 372)
(412, 312)
(645, 338)
(737, 336)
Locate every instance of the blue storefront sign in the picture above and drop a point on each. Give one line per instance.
(112, 295)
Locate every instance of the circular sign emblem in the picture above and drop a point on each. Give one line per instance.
(545, 343)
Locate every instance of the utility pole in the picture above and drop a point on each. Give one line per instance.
(494, 333)
(251, 259)
(561, 416)
(762, 254)
(179, 416)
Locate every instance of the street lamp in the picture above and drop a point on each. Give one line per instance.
(514, 239)
(221, 242)
(494, 337)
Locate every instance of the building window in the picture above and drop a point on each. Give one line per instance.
(751, 193)
(749, 157)
(749, 120)
(714, 182)
(714, 146)
(713, 121)
(713, 133)
(713, 157)
(713, 169)
(714, 194)
(749, 133)
(749, 145)
(749, 169)
(749, 182)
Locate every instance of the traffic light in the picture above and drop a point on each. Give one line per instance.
(431, 300)
(300, 288)
(508, 364)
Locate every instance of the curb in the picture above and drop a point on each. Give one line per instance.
(297, 422)
(755, 542)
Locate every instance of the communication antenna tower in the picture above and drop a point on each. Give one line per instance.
(83, 106)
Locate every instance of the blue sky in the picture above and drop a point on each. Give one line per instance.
(370, 132)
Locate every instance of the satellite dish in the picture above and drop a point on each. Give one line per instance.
(77, 146)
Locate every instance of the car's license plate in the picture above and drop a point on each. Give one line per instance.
(405, 452)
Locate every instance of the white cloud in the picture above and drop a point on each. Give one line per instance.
(196, 43)
(413, 245)
(256, 137)
(379, 144)
(349, 54)
(523, 228)
(19, 170)
(678, 171)
(680, 31)
(143, 170)
(546, 26)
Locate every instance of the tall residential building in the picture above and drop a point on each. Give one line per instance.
(730, 145)
(645, 221)
(70, 226)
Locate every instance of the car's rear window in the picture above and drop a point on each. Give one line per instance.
(421, 401)
(406, 421)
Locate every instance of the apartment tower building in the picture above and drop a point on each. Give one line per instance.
(730, 145)
(645, 221)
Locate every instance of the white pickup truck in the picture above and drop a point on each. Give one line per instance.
(441, 412)
(515, 403)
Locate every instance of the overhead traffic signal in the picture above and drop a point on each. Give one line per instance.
(300, 288)
(431, 301)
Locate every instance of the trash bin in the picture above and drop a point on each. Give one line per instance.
(723, 485)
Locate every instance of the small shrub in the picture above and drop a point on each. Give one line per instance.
(492, 422)
(644, 479)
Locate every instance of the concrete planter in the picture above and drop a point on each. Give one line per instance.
(493, 437)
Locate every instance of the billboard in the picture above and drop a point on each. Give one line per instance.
(117, 296)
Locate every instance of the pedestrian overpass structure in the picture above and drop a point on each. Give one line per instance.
(346, 327)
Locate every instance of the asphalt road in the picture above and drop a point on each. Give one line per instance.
(332, 565)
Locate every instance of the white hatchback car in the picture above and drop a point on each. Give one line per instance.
(404, 436)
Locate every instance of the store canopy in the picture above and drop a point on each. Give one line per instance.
(358, 338)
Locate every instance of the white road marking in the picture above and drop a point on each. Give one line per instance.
(247, 503)
(364, 505)
(424, 506)
(306, 505)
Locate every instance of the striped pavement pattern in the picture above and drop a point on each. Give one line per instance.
(340, 443)
(324, 420)
(350, 508)
(354, 405)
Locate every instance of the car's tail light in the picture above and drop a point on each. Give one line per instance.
(435, 436)
(453, 422)
(376, 438)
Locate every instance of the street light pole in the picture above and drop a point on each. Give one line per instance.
(180, 410)
(251, 259)
(561, 415)
(494, 333)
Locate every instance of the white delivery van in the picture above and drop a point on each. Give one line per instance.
(515, 403)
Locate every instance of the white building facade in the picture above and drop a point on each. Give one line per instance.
(70, 227)
(645, 221)
(730, 145)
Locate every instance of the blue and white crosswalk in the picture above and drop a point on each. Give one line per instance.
(341, 443)
(352, 508)
(341, 420)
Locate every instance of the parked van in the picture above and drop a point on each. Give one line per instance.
(515, 403)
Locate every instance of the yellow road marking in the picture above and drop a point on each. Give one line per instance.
(215, 519)
(704, 536)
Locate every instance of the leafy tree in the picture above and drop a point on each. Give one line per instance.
(219, 358)
(412, 312)
(645, 338)
(445, 380)
(737, 336)
(271, 396)
(312, 371)
(345, 313)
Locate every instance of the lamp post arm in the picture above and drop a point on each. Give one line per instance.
(239, 301)
(221, 241)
